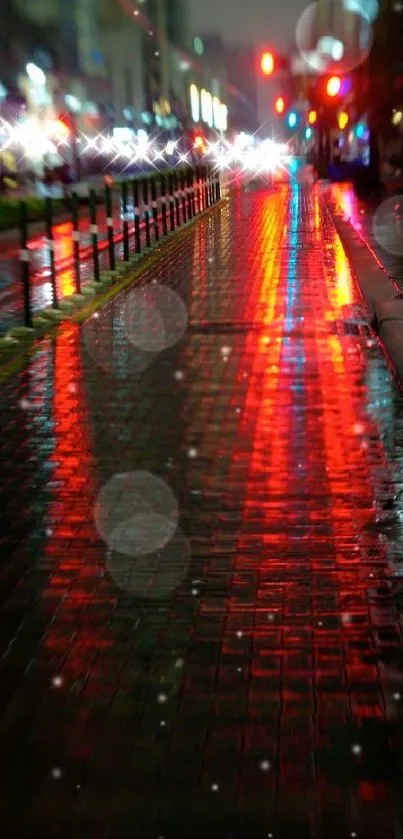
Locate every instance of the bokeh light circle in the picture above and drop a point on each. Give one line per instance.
(106, 344)
(388, 225)
(153, 576)
(155, 317)
(334, 36)
(142, 533)
(136, 513)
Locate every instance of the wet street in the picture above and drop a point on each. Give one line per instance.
(201, 585)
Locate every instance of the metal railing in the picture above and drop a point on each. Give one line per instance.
(122, 223)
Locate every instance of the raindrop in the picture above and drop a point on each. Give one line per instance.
(106, 343)
(136, 513)
(356, 749)
(56, 773)
(265, 765)
(215, 787)
(162, 698)
(179, 375)
(388, 225)
(192, 452)
(155, 318)
(24, 404)
(153, 576)
(57, 681)
(334, 36)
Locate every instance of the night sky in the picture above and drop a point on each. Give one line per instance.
(259, 21)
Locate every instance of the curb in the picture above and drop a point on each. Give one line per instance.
(379, 291)
(16, 346)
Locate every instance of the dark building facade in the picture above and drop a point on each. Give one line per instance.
(235, 65)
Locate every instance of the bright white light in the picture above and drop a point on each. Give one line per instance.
(122, 134)
(207, 107)
(107, 145)
(73, 103)
(195, 102)
(170, 147)
(224, 118)
(36, 75)
(217, 112)
(337, 50)
(330, 46)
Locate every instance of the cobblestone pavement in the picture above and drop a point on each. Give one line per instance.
(240, 676)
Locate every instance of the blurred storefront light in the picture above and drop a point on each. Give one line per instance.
(36, 75)
(195, 102)
(207, 107)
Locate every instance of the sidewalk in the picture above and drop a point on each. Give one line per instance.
(244, 677)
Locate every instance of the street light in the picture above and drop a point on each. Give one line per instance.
(267, 63)
(292, 119)
(333, 86)
(36, 75)
(279, 105)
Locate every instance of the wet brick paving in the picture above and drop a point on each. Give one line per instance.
(245, 679)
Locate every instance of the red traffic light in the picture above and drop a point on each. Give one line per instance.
(333, 86)
(279, 105)
(267, 63)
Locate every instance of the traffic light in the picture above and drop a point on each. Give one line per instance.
(312, 117)
(292, 119)
(343, 120)
(279, 105)
(267, 63)
(308, 133)
(333, 86)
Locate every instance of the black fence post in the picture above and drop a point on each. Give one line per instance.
(109, 224)
(198, 191)
(176, 196)
(126, 256)
(146, 212)
(218, 187)
(183, 195)
(164, 205)
(137, 235)
(51, 247)
(192, 191)
(94, 235)
(171, 190)
(76, 241)
(154, 206)
(205, 188)
(24, 262)
(211, 186)
(189, 193)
